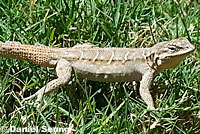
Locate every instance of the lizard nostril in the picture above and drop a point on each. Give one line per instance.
(187, 46)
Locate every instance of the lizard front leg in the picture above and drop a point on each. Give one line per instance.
(145, 84)
(63, 71)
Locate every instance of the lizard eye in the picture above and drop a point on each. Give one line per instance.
(172, 49)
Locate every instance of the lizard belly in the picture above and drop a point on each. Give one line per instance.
(106, 72)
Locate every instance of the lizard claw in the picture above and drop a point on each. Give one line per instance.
(12, 42)
(28, 98)
(35, 104)
(161, 109)
(151, 107)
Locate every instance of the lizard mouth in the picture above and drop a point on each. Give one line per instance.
(190, 49)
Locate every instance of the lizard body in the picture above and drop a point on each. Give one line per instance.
(103, 64)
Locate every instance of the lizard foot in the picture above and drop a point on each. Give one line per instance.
(30, 97)
(12, 42)
(35, 104)
(151, 107)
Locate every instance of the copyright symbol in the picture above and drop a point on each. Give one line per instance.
(3, 129)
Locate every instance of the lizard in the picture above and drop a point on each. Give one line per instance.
(102, 64)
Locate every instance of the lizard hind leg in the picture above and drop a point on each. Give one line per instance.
(63, 71)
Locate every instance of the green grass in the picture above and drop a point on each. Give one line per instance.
(94, 107)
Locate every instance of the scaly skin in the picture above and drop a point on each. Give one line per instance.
(103, 64)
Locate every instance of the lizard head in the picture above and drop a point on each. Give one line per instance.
(169, 54)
